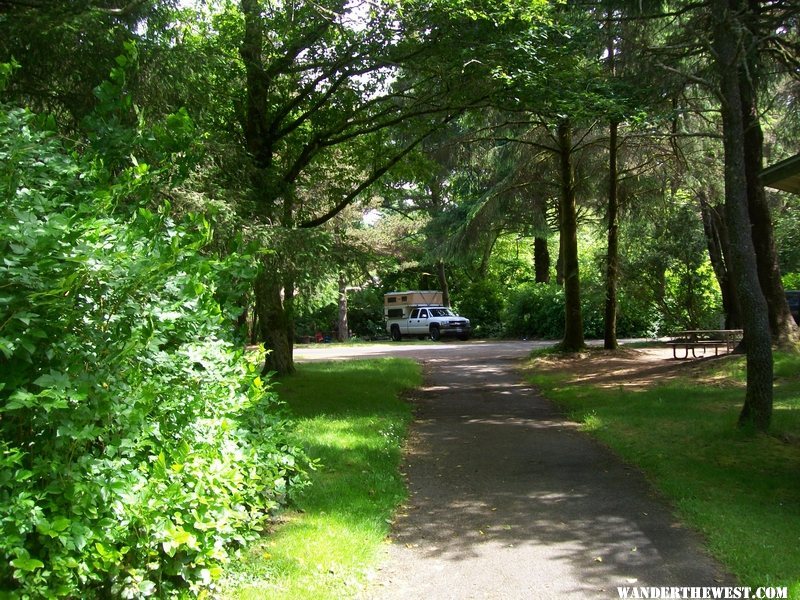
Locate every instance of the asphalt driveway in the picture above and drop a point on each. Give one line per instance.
(509, 500)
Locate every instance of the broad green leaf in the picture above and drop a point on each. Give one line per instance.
(147, 587)
(27, 564)
(52, 379)
(60, 524)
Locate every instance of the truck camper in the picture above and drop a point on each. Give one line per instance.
(420, 313)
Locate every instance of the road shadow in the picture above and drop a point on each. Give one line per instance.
(509, 500)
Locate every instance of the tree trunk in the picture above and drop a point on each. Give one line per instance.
(560, 259)
(716, 241)
(612, 255)
(255, 328)
(274, 291)
(342, 329)
(256, 124)
(612, 251)
(275, 312)
(274, 324)
(782, 325)
(734, 319)
(757, 409)
(541, 249)
(541, 260)
(573, 319)
(443, 287)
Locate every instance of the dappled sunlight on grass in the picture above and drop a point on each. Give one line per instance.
(741, 490)
(352, 433)
(351, 418)
(303, 559)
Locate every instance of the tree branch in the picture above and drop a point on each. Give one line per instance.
(6, 5)
(375, 175)
(120, 12)
(687, 76)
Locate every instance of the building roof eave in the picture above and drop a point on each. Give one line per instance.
(784, 175)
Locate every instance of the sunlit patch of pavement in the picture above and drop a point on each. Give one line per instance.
(509, 500)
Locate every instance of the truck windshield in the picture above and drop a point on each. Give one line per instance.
(441, 312)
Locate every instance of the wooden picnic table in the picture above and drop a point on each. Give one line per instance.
(692, 339)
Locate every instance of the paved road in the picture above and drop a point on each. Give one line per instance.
(420, 351)
(508, 500)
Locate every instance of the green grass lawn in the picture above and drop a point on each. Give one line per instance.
(741, 490)
(352, 418)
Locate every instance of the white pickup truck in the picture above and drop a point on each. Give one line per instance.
(421, 314)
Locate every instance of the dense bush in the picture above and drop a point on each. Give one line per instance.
(791, 281)
(536, 310)
(692, 299)
(365, 313)
(481, 302)
(138, 447)
(666, 275)
(637, 318)
(787, 234)
(364, 316)
(319, 319)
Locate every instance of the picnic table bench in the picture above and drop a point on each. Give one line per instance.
(692, 339)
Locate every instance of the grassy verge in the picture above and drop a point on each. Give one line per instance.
(742, 491)
(349, 416)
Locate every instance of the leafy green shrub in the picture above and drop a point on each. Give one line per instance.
(321, 319)
(791, 281)
(637, 318)
(593, 307)
(667, 277)
(138, 447)
(480, 302)
(535, 310)
(364, 316)
(692, 298)
(365, 313)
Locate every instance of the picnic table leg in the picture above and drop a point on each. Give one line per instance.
(694, 351)
(685, 352)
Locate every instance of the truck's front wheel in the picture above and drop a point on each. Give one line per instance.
(396, 335)
(435, 333)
